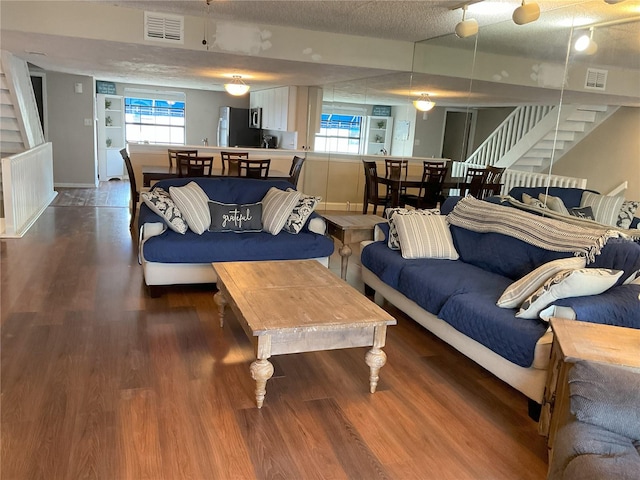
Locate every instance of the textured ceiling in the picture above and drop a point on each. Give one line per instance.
(413, 21)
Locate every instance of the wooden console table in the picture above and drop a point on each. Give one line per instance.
(350, 229)
(574, 341)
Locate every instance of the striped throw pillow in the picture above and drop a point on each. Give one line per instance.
(394, 242)
(520, 290)
(425, 236)
(277, 205)
(605, 208)
(194, 205)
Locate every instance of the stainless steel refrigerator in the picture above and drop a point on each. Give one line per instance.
(234, 130)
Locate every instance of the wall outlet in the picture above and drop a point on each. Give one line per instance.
(88, 122)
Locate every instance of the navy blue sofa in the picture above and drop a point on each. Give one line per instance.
(571, 197)
(456, 299)
(169, 258)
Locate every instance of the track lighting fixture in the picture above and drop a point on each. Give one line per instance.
(585, 43)
(237, 87)
(466, 28)
(424, 103)
(526, 13)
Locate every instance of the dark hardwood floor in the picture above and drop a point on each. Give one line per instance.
(101, 381)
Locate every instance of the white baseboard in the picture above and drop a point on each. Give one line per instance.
(75, 185)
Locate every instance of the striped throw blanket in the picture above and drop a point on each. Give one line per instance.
(550, 234)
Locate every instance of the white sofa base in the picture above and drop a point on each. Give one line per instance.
(186, 273)
(530, 381)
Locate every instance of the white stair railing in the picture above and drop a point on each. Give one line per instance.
(619, 189)
(27, 187)
(511, 130)
(518, 178)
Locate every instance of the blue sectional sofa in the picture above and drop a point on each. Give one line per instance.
(170, 258)
(456, 299)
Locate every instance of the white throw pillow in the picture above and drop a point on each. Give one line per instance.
(626, 213)
(633, 279)
(194, 205)
(425, 236)
(160, 202)
(277, 206)
(605, 208)
(301, 212)
(520, 290)
(534, 202)
(569, 283)
(553, 203)
(394, 243)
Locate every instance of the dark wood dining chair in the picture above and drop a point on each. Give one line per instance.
(294, 171)
(492, 183)
(253, 168)
(396, 169)
(371, 188)
(230, 161)
(475, 180)
(430, 194)
(189, 166)
(135, 195)
(173, 155)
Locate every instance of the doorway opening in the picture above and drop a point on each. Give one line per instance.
(457, 137)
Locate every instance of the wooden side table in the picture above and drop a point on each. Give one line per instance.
(573, 341)
(350, 229)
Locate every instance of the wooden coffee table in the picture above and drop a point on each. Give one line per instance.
(299, 306)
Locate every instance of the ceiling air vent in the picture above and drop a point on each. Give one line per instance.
(596, 79)
(160, 27)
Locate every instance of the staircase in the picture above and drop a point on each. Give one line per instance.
(10, 135)
(26, 173)
(526, 139)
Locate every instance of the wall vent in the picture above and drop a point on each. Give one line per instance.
(596, 79)
(160, 27)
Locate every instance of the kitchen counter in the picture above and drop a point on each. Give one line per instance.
(336, 177)
(156, 154)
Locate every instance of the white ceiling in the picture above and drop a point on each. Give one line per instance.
(409, 21)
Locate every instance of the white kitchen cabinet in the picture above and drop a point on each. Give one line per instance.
(111, 136)
(378, 131)
(278, 108)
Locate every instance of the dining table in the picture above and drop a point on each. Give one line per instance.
(153, 173)
(395, 184)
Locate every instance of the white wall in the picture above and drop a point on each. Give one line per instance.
(428, 133)
(74, 159)
(609, 155)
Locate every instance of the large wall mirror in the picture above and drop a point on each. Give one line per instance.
(539, 82)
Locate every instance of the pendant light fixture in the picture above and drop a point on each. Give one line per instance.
(466, 28)
(237, 87)
(585, 43)
(526, 13)
(424, 103)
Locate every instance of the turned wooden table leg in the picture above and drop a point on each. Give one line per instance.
(345, 252)
(376, 359)
(221, 302)
(261, 371)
